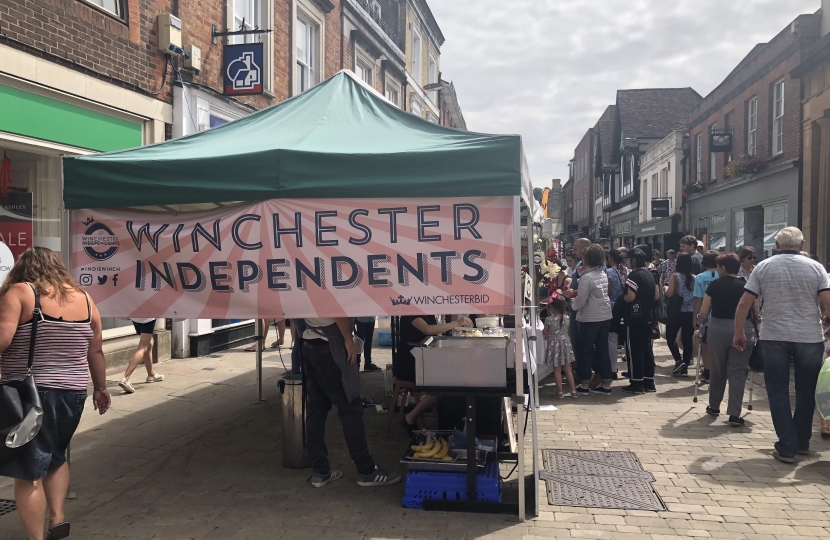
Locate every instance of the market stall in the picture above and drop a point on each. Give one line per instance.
(334, 203)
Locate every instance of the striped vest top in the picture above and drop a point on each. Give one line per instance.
(60, 360)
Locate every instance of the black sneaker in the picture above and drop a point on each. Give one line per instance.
(649, 387)
(319, 481)
(634, 388)
(713, 412)
(680, 368)
(372, 367)
(614, 376)
(736, 421)
(582, 391)
(601, 390)
(625, 374)
(378, 477)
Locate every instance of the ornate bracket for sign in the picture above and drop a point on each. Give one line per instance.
(215, 34)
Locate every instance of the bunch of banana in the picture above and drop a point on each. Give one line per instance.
(437, 449)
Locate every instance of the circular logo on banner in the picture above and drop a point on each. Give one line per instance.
(6, 261)
(99, 242)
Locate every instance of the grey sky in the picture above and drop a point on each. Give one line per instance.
(546, 69)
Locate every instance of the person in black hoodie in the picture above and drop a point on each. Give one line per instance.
(640, 294)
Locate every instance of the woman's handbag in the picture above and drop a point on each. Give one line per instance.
(756, 359)
(21, 413)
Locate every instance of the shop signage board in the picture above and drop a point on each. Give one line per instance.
(659, 208)
(242, 69)
(573, 228)
(300, 258)
(16, 222)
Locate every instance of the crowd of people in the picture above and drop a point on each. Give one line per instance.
(733, 309)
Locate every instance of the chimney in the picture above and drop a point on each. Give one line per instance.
(825, 17)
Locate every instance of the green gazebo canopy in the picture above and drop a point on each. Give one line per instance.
(338, 140)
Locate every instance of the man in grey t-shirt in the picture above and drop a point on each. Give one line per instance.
(793, 287)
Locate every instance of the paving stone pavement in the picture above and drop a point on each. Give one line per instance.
(195, 457)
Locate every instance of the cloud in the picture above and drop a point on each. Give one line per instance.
(546, 69)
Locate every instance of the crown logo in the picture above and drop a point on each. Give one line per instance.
(400, 301)
(89, 220)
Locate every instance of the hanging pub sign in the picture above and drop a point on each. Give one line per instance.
(242, 69)
(659, 208)
(720, 141)
(573, 228)
(604, 233)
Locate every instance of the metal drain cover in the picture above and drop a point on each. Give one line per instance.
(6, 507)
(595, 479)
(594, 463)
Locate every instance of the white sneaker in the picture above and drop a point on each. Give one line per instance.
(158, 377)
(126, 386)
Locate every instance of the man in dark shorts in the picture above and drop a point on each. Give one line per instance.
(143, 353)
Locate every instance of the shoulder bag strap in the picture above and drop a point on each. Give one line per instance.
(754, 320)
(36, 314)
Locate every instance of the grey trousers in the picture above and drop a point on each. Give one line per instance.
(728, 364)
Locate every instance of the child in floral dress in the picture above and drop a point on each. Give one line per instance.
(558, 350)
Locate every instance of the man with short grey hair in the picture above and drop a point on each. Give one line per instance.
(792, 286)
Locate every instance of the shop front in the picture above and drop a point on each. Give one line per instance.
(661, 234)
(622, 229)
(749, 211)
(51, 112)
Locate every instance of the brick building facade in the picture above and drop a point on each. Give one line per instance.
(85, 76)
(760, 104)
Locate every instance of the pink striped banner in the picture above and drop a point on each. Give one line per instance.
(300, 258)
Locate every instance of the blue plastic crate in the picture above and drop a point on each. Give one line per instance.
(426, 485)
(385, 338)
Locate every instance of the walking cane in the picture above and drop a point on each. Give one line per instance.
(699, 356)
(751, 383)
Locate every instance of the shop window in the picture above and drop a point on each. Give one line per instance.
(113, 6)
(738, 230)
(775, 219)
(711, 231)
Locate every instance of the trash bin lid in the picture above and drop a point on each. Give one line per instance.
(291, 380)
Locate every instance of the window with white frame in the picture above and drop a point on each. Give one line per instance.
(417, 109)
(393, 93)
(644, 204)
(115, 7)
(713, 163)
(432, 77)
(364, 67)
(752, 126)
(307, 36)
(417, 54)
(655, 185)
(247, 15)
(699, 156)
(664, 182)
(778, 118)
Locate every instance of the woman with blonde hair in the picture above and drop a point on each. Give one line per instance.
(67, 349)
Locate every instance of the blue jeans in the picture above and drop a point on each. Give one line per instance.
(793, 430)
(297, 329)
(593, 342)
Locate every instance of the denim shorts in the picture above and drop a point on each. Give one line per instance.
(62, 411)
